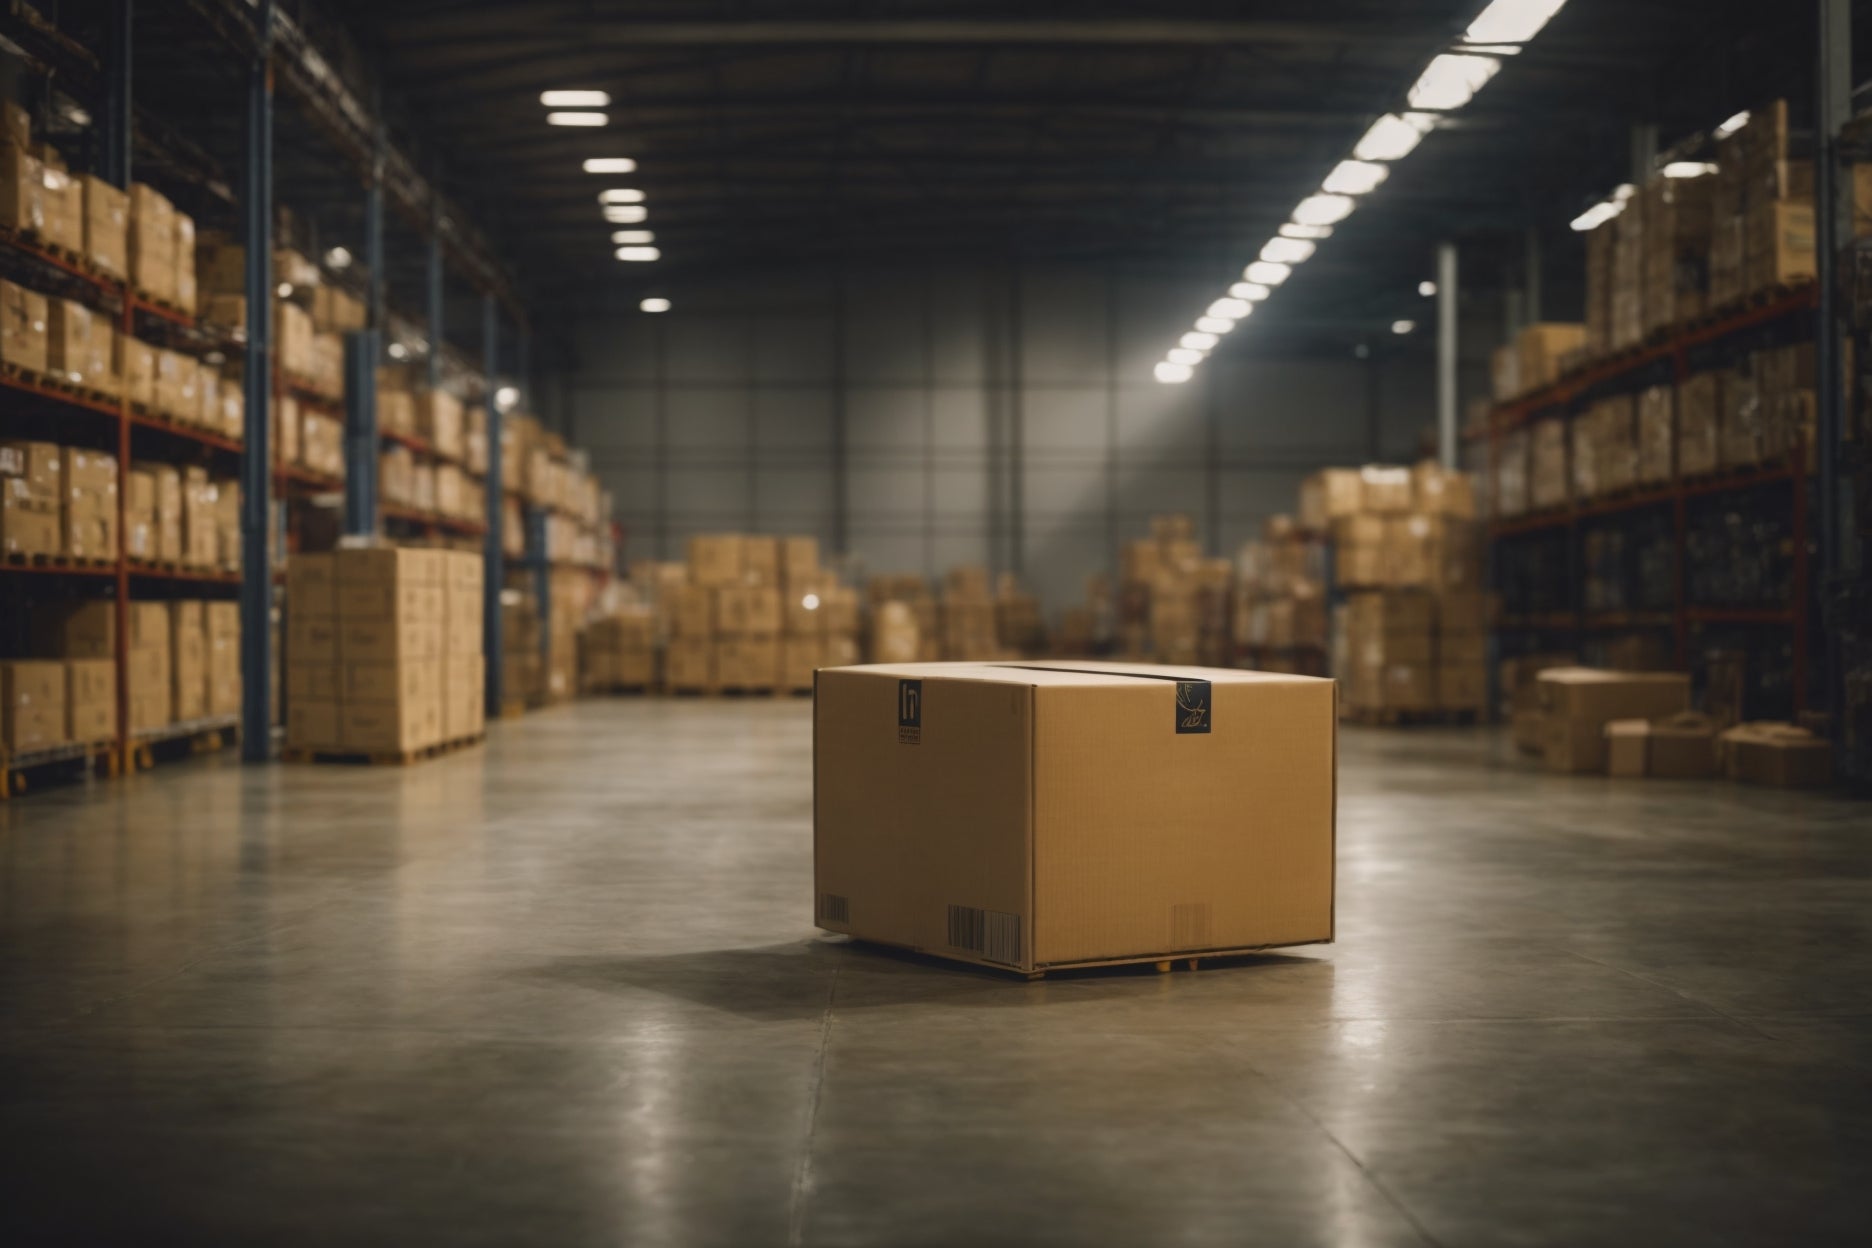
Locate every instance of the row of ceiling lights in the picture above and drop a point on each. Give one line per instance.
(1446, 84)
(619, 205)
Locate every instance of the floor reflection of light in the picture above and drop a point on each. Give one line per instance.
(651, 1111)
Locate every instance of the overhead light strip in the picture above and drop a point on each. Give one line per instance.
(1445, 85)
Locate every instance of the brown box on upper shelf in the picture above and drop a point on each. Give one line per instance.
(106, 226)
(152, 243)
(32, 705)
(22, 327)
(22, 190)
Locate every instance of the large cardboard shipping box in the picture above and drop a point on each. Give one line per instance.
(188, 663)
(715, 559)
(1577, 703)
(32, 705)
(1050, 815)
(90, 700)
(689, 663)
(1783, 756)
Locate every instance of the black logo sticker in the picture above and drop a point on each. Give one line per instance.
(1192, 706)
(910, 712)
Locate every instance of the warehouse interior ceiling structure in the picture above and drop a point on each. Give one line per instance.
(1182, 133)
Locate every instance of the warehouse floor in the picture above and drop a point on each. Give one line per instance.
(564, 990)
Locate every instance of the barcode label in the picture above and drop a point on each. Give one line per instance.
(995, 935)
(834, 908)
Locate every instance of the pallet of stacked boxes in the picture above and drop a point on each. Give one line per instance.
(1020, 629)
(804, 590)
(967, 615)
(618, 653)
(523, 663)
(384, 654)
(895, 636)
(748, 620)
(79, 637)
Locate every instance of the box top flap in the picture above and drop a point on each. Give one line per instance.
(1162, 671)
(1091, 673)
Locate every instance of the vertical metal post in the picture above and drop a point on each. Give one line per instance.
(256, 477)
(1374, 404)
(523, 341)
(1531, 272)
(495, 569)
(841, 494)
(114, 124)
(1833, 106)
(1017, 428)
(435, 301)
(374, 233)
(361, 449)
(1644, 142)
(1446, 354)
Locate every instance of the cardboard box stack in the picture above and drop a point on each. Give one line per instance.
(523, 660)
(973, 812)
(1020, 628)
(1576, 704)
(619, 652)
(31, 488)
(1676, 215)
(904, 621)
(384, 649)
(151, 688)
(1783, 756)
(32, 705)
(81, 637)
(967, 615)
(1163, 579)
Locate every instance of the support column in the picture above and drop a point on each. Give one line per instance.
(1446, 354)
(114, 123)
(1833, 107)
(1531, 277)
(1644, 142)
(256, 476)
(495, 570)
(374, 233)
(361, 447)
(434, 309)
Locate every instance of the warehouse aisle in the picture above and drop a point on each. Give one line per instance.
(565, 991)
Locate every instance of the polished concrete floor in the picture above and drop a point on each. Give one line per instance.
(564, 990)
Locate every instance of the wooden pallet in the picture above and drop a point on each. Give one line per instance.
(618, 691)
(190, 742)
(394, 758)
(31, 559)
(693, 691)
(74, 761)
(1384, 717)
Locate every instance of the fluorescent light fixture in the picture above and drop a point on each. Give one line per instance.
(621, 195)
(1249, 292)
(1393, 137)
(576, 119)
(398, 351)
(1403, 327)
(1426, 289)
(1267, 273)
(1323, 209)
(1287, 250)
(1198, 340)
(1451, 80)
(1734, 124)
(1688, 168)
(1231, 309)
(1172, 374)
(1511, 21)
(610, 164)
(626, 214)
(1184, 355)
(1214, 324)
(338, 258)
(639, 255)
(633, 238)
(1290, 230)
(505, 398)
(1355, 177)
(1598, 215)
(575, 99)
(653, 304)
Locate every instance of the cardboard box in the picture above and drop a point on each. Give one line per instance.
(23, 315)
(384, 727)
(1625, 747)
(1781, 756)
(188, 660)
(311, 638)
(748, 611)
(747, 662)
(106, 227)
(29, 525)
(715, 559)
(22, 190)
(152, 243)
(1578, 702)
(69, 355)
(1461, 685)
(760, 560)
(1057, 815)
(689, 663)
(75, 630)
(800, 656)
(464, 685)
(799, 561)
(90, 700)
(32, 705)
(314, 725)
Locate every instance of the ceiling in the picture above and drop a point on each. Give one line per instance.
(1179, 133)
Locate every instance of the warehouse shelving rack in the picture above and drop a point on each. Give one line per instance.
(49, 407)
(1669, 357)
(272, 51)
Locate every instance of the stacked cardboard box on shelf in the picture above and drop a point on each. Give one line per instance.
(30, 492)
(81, 637)
(1576, 704)
(151, 688)
(1172, 602)
(32, 706)
(384, 649)
(966, 612)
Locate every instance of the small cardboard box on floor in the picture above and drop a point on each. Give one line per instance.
(1073, 814)
(1577, 703)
